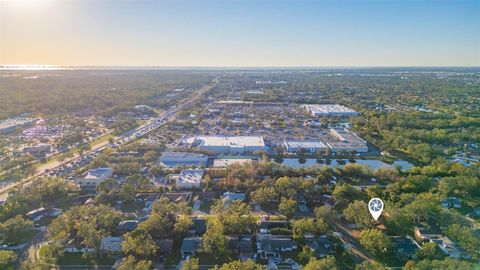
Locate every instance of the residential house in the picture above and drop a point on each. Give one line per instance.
(40, 213)
(272, 245)
(178, 196)
(37, 214)
(190, 246)
(425, 232)
(206, 196)
(449, 248)
(127, 225)
(405, 247)
(245, 247)
(199, 226)
(451, 202)
(72, 247)
(241, 245)
(164, 246)
(111, 244)
(321, 246)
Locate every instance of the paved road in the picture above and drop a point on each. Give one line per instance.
(42, 169)
(347, 236)
(168, 116)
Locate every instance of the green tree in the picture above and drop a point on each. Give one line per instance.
(14, 229)
(238, 265)
(235, 216)
(396, 220)
(303, 226)
(139, 181)
(375, 241)
(327, 263)
(343, 194)
(7, 257)
(190, 264)
(158, 225)
(357, 212)
(430, 251)
(85, 224)
(264, 195)
(301, 156)
(182, 225)
(139, 243)
(326, 213)
(51, 252)
(278, 155)
(305, 255)
(213, 241)
(370, 265)
(466, 238)
(425, 207)
(127, 193)
(439, 265)
(288, 207)
(130, 263)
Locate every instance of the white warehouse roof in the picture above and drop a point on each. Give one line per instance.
(231, 141)
(328, 109)
(305, 144)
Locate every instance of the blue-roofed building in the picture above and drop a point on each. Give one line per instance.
(127, 225)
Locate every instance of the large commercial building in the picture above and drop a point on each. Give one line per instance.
(318, 110)
(346, 140)
(309, 146)
(229, 144)
(173, 159)
(225, 162)
(188, 178)
(90, 180)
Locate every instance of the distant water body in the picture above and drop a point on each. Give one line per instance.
(372, 163)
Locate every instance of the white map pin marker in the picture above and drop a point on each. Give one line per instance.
(375, 206)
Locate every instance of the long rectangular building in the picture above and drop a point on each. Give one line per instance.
(230, 144)
(173, 159)
(346, 140)
(309, 146)
(328, 110)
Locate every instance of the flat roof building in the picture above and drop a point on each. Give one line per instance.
(93, 177)
(309, 146)
(346, 140)
(230, 144)
(188, 178)
(328, 110)
(225, 162)
(173, 159)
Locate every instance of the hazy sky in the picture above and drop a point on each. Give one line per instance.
(240, 33)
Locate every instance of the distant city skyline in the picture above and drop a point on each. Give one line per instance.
(237, 33)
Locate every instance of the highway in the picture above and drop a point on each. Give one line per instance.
(129, 136)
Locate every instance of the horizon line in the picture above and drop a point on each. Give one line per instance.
(133, 67)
